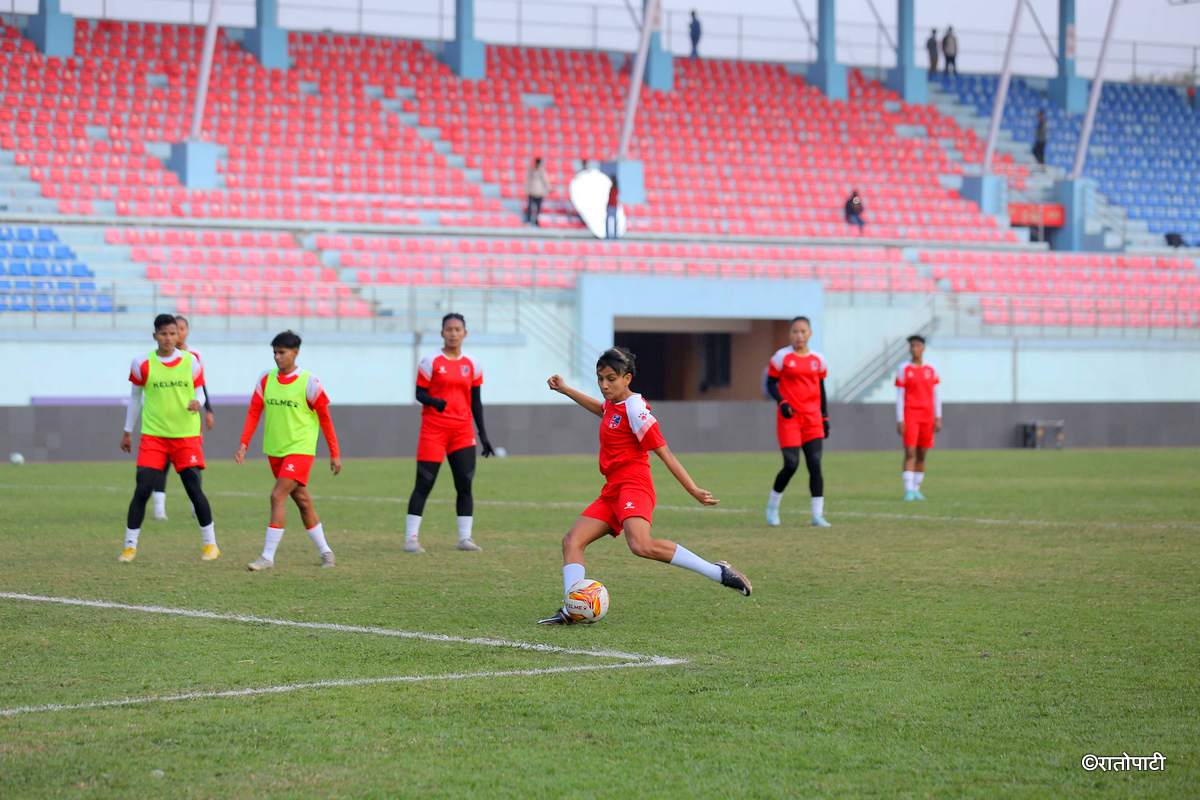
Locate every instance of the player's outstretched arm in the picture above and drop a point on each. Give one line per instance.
(704, 496)
(557, 384)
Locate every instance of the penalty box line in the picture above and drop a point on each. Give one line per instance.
(625, 660)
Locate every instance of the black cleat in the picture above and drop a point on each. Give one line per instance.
(733, 579)
(560, 618)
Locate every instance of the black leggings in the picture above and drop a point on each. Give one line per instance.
(812, 460)
(147, 480)
(160, 481)
(462, 467)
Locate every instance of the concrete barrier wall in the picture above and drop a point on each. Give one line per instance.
(92, 433)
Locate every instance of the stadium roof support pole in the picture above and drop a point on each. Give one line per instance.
(195, 160)
(1002, 89)
(266, 40)
(1089, 118)
(52, 31)
(907, 79)
(649, 17)
(660, 67)
(825, 73)
(464, 54)
(1068, 91)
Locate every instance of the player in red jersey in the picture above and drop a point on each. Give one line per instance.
(796, 379)
(171, 382)
(448, 386)
(918, 414)
(158, 499)
(628, 432)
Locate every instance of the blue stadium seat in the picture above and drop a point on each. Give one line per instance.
(59, 268)
(38, 268)
(25, 235)
(19, 251)
(18, 268)
(63, 252)
(87, 286)
(20, 302)
(46, 235)
(85, 303)
(42, 251)
(81, 271)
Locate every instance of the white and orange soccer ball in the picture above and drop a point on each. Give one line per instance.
(587, 601)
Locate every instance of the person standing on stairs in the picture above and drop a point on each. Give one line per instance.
(1039, 138)
(950, 51)
(537, 186)
(931, 46)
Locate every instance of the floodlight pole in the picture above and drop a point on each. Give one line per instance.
(210, 44)
(1002, 90)
(1094, 97)
(649, 21)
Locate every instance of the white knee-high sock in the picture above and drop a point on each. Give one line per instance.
(464, 528)
(818, 506)
(688, 560)
(774, 499)
(917, 478)
(208, 533)
(160, 502)
(131, 537)
(317, 534)
(572, 574)
(412, 527)
(908, 480)
(271, 542)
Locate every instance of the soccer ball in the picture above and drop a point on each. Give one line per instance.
(16, 458)
(587, 601)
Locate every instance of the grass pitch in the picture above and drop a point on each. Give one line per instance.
(1039, 607)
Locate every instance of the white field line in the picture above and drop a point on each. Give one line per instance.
(333, 684)
(558, 504)
(626, 660)
(329, 626)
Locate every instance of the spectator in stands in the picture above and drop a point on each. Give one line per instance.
(694, 33)
(610, 217)
(950, 51)
(537, 186)
(931, 46)
(1191, 93)
(854, 211)
(1039, 138)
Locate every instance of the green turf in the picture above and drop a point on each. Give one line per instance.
(1038, 607)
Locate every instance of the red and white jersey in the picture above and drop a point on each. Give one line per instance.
(916, 389)
(314, 391)
(449, 379)
(799, 378)
(139, 370)
(628, 431)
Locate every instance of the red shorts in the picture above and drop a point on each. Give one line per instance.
(918, 431)
(437, 440)
(296, 467)
(618, 502)
(799, 429)
(156, 452)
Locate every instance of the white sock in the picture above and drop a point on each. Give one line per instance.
(917, 478)
(208, 533)
(909, 484)
(131, 537)
(464, 528)
(688, 560)
(317, 534)
(271, 543)
(773, 500)
(160, 502)
(572, 574)
(412, 527)
(818, 507)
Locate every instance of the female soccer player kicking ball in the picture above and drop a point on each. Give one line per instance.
(626, 504)
(295, 405)
(448, 386)
(796, 379)
(172, 383)
(918, 414)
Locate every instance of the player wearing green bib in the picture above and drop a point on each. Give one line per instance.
(158, 500)
(168, 391)
(295, 410)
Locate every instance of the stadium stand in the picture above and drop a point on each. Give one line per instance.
(1145, 153)
(40, 273)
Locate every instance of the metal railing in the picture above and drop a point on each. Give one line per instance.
(608, 26)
